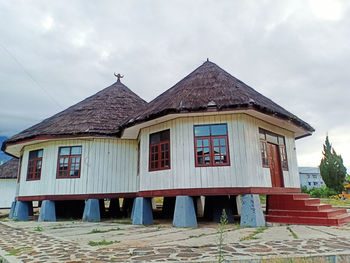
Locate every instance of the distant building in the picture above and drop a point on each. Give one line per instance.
(310, 177)
(8, 182)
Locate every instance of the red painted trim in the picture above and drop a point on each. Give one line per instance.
(219, 191)
(74, 197)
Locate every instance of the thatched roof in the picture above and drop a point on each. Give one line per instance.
(98, 115)
(9, 169)
(209, 86)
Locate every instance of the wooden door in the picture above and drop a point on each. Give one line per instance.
(275, 165)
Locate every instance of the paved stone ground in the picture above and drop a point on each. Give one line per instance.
(68, 241)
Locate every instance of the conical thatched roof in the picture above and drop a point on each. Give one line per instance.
(209, 86)
(98, 115)
(9, 169)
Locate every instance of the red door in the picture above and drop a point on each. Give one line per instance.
(275, 165)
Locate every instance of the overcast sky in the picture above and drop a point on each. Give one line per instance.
(55, 53)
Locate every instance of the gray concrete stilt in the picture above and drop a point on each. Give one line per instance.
(12, 211)
(21, 211)
(252, 214)
(92, 211)
(184, 214)
(47, 211)
(142, 211)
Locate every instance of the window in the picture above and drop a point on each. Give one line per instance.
(69, 160)
(34, 165)
(211, 145)
(314, 176)
(159, 151)
(309, 183)
(270, 137)
(315, 183)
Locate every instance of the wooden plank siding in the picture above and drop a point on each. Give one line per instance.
(107, 166)
(246, 166)
(8, 191)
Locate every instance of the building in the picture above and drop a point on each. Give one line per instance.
(8, 182)
(311, 177)
(209, 136)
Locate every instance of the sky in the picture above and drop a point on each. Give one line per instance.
(54, 54)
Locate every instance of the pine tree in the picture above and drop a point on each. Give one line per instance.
(332, 169)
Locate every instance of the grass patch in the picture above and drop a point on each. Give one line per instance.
(335, 202)
(14, 252)
(95, 231)
(196, 236)
(38, 229)
(253, 235)
(292, 232)
(102, 243)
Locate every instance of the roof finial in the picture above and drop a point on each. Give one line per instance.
(118, 76)
(207, 59)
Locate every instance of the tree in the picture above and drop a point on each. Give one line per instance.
(332, 169)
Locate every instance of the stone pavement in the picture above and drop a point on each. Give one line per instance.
(68, 241)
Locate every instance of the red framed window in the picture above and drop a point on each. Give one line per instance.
(270, 137)
(159, 151)
(34, 165)
(211, 145)
(69, 162)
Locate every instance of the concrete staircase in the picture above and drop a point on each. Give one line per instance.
(302, 210)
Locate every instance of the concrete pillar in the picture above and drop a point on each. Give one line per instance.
(12, 211)
(21, 211)
(154, 203)
(168, 207)
(142, 212)
(200, 206)
(239, 204)
(47, 211)
(184, 214)
(92, 211)
(252, 214)
(114, 208)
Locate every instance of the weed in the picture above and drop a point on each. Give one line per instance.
(95, 231)
(292, 232)
(112, 260)
(1, 259)
(14, 252)
(253, 235)
(221, 238)
(101, 243)
(38, 228)
(196, 236)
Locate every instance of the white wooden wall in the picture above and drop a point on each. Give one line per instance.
(246, 167)
(7, 192)
(108, 166)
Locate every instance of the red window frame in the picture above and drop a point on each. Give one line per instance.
(71, 161)
(159, 154)
(211, 145)
(34, 165)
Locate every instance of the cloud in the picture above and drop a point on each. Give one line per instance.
(297, 53)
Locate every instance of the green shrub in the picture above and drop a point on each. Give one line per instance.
(323, 192)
